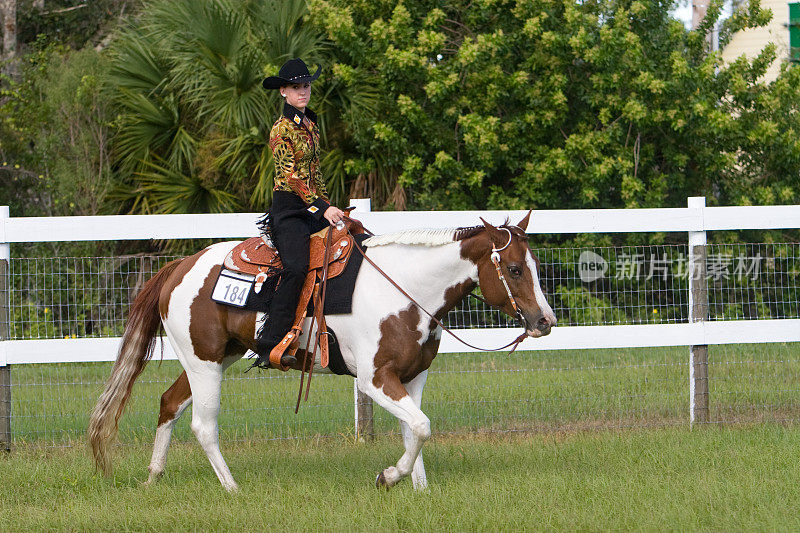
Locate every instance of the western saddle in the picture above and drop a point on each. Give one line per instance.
(329, 251)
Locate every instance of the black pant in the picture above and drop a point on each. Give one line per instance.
(291, 231)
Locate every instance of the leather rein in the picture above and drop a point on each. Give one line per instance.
(319, 303)
(319, 317)
(495, 258)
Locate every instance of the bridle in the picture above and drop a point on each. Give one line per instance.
(495, 257)
(495, 254)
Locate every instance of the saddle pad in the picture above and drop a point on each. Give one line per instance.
(253, 301)
(339, 292)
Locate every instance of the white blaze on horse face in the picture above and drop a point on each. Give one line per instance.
(541, 301)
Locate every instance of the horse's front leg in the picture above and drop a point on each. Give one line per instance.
(385, 388)
(414, 388)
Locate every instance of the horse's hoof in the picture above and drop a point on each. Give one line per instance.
(380, 482)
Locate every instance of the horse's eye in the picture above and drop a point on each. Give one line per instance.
(515, 271)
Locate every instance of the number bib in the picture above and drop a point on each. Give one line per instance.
(232, 288)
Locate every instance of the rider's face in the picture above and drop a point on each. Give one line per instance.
(297, 94)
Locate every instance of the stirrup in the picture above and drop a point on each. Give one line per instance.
(264, 363)
(282, 355)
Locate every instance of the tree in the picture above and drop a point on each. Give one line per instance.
(194, 122)
(8, 8)
(71, 23)
(54, 134)
(561, 104)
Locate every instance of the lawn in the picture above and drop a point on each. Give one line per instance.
(466, 393)
(714, 478)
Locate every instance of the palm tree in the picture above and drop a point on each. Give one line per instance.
(193, 121)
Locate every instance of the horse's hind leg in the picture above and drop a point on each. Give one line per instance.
(205, 379)
(173, 402)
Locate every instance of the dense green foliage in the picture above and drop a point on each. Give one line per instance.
(72, 23)
(54, 134)
(499, 104)
(554, 104)
(194, 122)
(54, 117)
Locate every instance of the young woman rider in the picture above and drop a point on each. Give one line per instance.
(300, 204)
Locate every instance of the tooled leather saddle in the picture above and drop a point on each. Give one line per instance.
(329, 252)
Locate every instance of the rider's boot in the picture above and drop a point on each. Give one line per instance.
(263, 349)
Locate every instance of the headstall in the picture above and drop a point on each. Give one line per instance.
(495, 257)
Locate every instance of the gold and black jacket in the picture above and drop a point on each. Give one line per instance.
(295, 148)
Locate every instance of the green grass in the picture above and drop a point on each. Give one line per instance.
(712, 479)
(465, 393)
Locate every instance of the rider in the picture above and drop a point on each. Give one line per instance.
(300, 204)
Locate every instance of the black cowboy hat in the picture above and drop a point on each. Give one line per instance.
(293, 71)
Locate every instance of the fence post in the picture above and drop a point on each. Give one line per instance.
(698, 312)
(5, 368)
(362, 404)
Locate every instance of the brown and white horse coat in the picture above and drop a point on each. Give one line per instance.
(387, 342)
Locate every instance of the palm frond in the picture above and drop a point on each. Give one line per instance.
(193, 119)
(278, 28)
(168, 191)
(146, 126)
(136, 64)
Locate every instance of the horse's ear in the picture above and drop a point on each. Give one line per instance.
(495, 234)
(523, 224)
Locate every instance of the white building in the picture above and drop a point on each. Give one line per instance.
(783, 30)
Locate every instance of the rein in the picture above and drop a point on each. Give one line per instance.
(515, 342)
(319, 304)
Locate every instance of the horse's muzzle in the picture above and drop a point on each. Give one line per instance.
(541, 326)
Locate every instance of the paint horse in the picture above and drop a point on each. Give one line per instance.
(387, 342)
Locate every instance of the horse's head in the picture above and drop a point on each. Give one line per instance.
(507, 249)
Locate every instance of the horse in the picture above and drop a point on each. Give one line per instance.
(387, 342)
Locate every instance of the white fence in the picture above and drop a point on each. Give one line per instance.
(695, 220)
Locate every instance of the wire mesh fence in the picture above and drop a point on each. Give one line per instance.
(753, 281)
(65, 297)
(754, 382)
(527, 391)
(88, 297)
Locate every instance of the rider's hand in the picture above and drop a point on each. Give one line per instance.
(334, 215)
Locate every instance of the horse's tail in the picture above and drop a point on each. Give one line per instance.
(138, 342)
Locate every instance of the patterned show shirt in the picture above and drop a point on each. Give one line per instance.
(295, 149)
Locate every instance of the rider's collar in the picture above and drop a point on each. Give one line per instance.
(296, 116)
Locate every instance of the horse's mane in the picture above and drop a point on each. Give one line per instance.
(424, 237)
